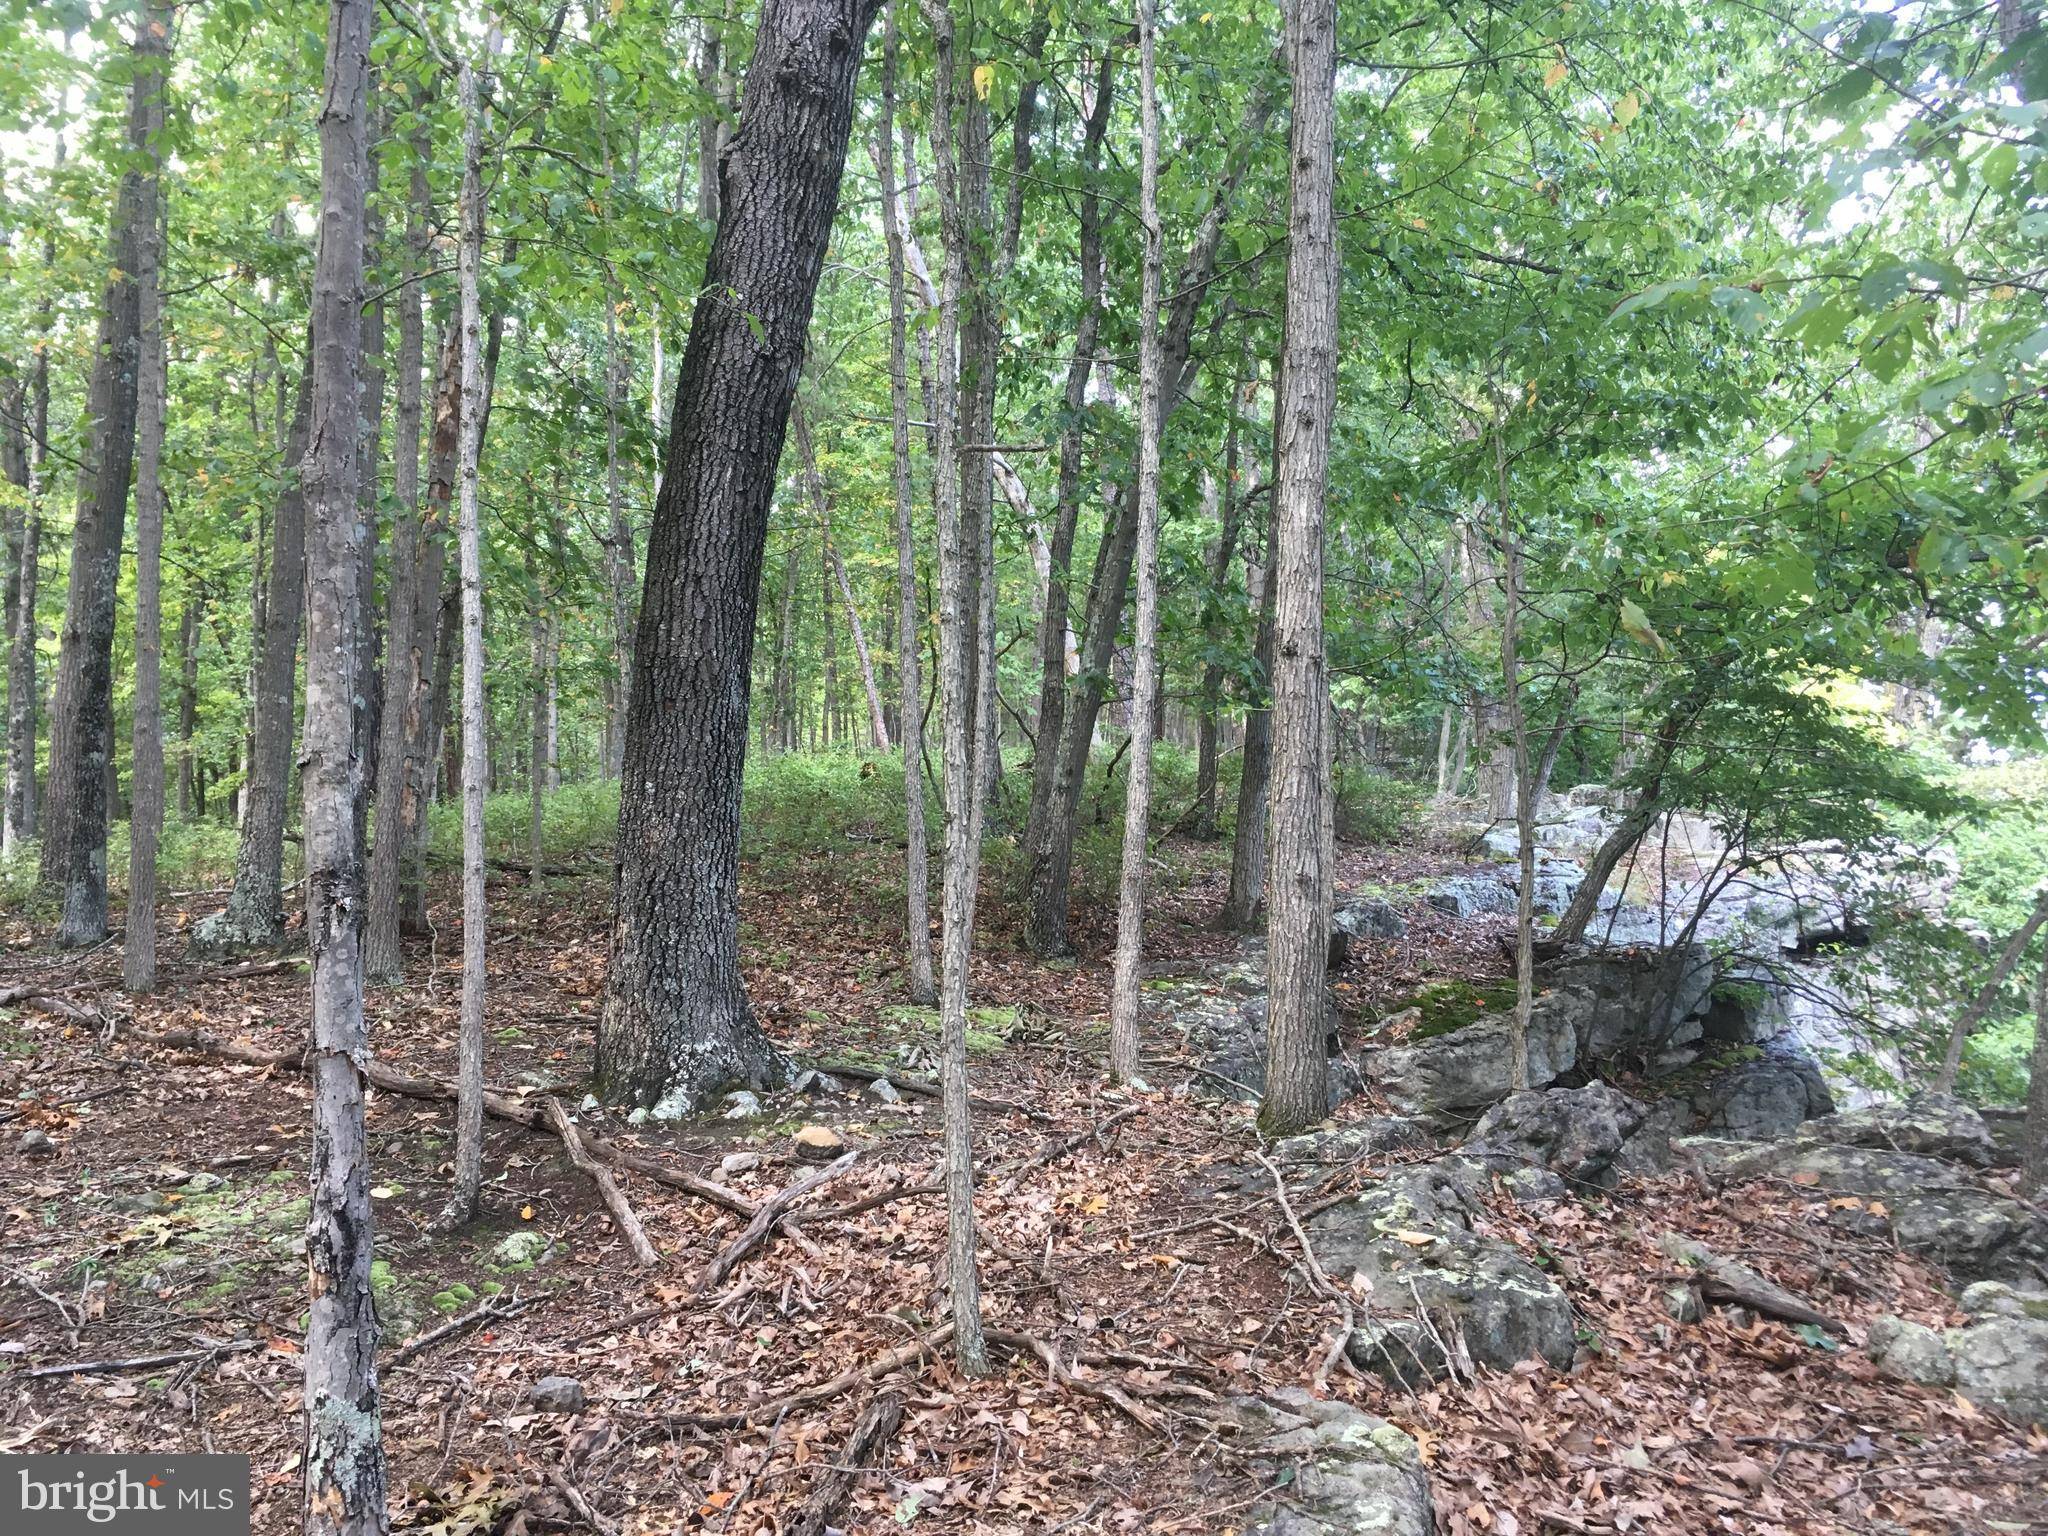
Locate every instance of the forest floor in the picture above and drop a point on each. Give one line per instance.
(1153, 1258)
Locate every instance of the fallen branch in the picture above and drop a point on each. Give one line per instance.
(622, 1213)
(767, 1217)
(83, 1098)
(484, 1312)
(1064, 1375)
(1730, 1284)
(774, 1408)
(147, 1362)
(562, 1484)
(872, 1432)
(1318, 1281)
(498, 1106)
(1052, 1152)
(870, 1202)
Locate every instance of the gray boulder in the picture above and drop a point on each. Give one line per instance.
(1576, 1133)
(1441, 1293)
(1373, 1137)
(1354, 1475)
(1936, 1211)
(1931, 1124)
(2000, 1363)
(1763, 1100)
(1468, 1069)
(1635, 1003)
(1368, 917)
(1472, 896)
(1991, 1298)
(1222, 1015)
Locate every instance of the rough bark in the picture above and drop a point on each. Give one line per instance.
(676, 1028)
(958, 624)
(254, 918)
(1986, 997)
(1244, 899)
(146, 775)
(1211, 709)
(395, 778)
(465, 1196)
(1130, 919)
(344, 1464)
(1298, 910)
(74, 847)
(917, 927)
(18, 813)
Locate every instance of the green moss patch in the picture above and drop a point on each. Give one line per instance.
(1449, 1006)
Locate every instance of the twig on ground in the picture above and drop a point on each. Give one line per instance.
(622, 1213)
(872, 1432)
(774, 1408)
(1064, 1375)
(483, 1312)
(83, 1098)
(21, 1279)
(147, 1362)
(1052, 1152)
(771, 1212)
(562, 1484)
(1317, 1279)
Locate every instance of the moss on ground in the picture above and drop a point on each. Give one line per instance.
(1449, 1006)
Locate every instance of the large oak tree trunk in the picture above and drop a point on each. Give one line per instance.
(1298, 911)
(74, 849)
(676, 1027)
(344, 1464)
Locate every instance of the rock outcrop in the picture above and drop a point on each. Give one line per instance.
(2000, 1363)
(1354, 1475)
(1576, 1133)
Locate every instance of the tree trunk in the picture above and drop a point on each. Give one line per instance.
(18, 813)
(1056, 623)
(146, 820)
(676, 1028)
(367, 706)
(828, 714)
(465, 1197)
(2035, 1153)
(1298, 912)
(1212, 674)
(344, 1464)
(958, 626)
(254, 918)
(188, 706)
(1244, 900)
(1522, 784)
(917, 926)
(74, 848)
(1130, 920)
(784, 703)
(1052, 841)
(1987, 995)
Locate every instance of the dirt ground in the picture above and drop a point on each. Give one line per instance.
(1151, 1260)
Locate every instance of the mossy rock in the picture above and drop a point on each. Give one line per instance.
(1449, 1006)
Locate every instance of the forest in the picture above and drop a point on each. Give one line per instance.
(801, 766)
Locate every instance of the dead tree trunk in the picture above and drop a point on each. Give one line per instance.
(1967, 1021)
(676, 1028)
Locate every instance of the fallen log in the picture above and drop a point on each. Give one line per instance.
(624, 1217)
(147, 1362)
(1728, 1283)
(872, 1432)
(498, 1106)
(774, 1408)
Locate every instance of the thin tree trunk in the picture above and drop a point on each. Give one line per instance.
(917, 876)
(344, 1464)
(18, 816)
(146, 819)
(784, 702)
(1967, 1021)
(1523, 782)
(1209, 720)
(396, 787)
(74, 847)
(1298, 911)
(676, 1029)
(254, 918)
(188, 705)
(464, 1198)
(878, 719)
(368, 704)
(1244, 900)
(2035, 1155)
(1130, 920)
(1056, 624)
(828, 714)
(958, 623)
